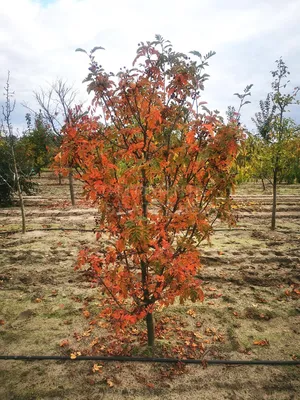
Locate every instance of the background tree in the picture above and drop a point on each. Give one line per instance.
(274, 128)
(25, 163)
(55, 105)
(7, 130)
(260, 157)
(291, 168)
(6, 173)
(239, 168)
(39, 143)
(158, 167)
(233, 114)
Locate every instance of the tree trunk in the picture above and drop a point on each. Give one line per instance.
(59, 174)
(144, 269)
(150, 329)
(273, 223)
(263, 184)
(71, 186)
(22, 208)
(19, 190)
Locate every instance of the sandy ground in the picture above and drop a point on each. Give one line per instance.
(251, 282)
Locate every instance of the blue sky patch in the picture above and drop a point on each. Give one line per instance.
(46, 3)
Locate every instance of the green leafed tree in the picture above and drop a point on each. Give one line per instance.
(38, 143)
(240, 168)
(276, 130)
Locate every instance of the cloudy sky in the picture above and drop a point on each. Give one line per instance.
(38, 39)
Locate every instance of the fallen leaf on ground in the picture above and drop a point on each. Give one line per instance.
(75, 355)
(64, 343)
(97, 368)
(263, 342)
(191, 313)
(37, 300)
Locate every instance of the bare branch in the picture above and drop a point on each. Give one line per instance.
(55, 104)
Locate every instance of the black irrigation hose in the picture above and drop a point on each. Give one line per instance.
(93, 230)
(152, 360)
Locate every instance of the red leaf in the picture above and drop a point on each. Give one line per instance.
(263, 342)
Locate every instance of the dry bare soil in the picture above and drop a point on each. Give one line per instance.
(251, 309)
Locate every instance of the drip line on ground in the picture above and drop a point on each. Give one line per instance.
(151, 360)
(95, 230)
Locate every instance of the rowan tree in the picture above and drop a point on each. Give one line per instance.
(274, 128)
(158, 167)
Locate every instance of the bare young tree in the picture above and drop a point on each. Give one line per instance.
(7, 129)
(55, 105)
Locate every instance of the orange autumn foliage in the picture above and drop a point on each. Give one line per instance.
(158, 168)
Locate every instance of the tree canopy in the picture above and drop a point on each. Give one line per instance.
(158, 165)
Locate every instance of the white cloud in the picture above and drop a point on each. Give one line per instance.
(38, 39)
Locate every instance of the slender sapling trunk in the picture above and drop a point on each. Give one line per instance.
(71, 186)
(21, 200)
(274, 204)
